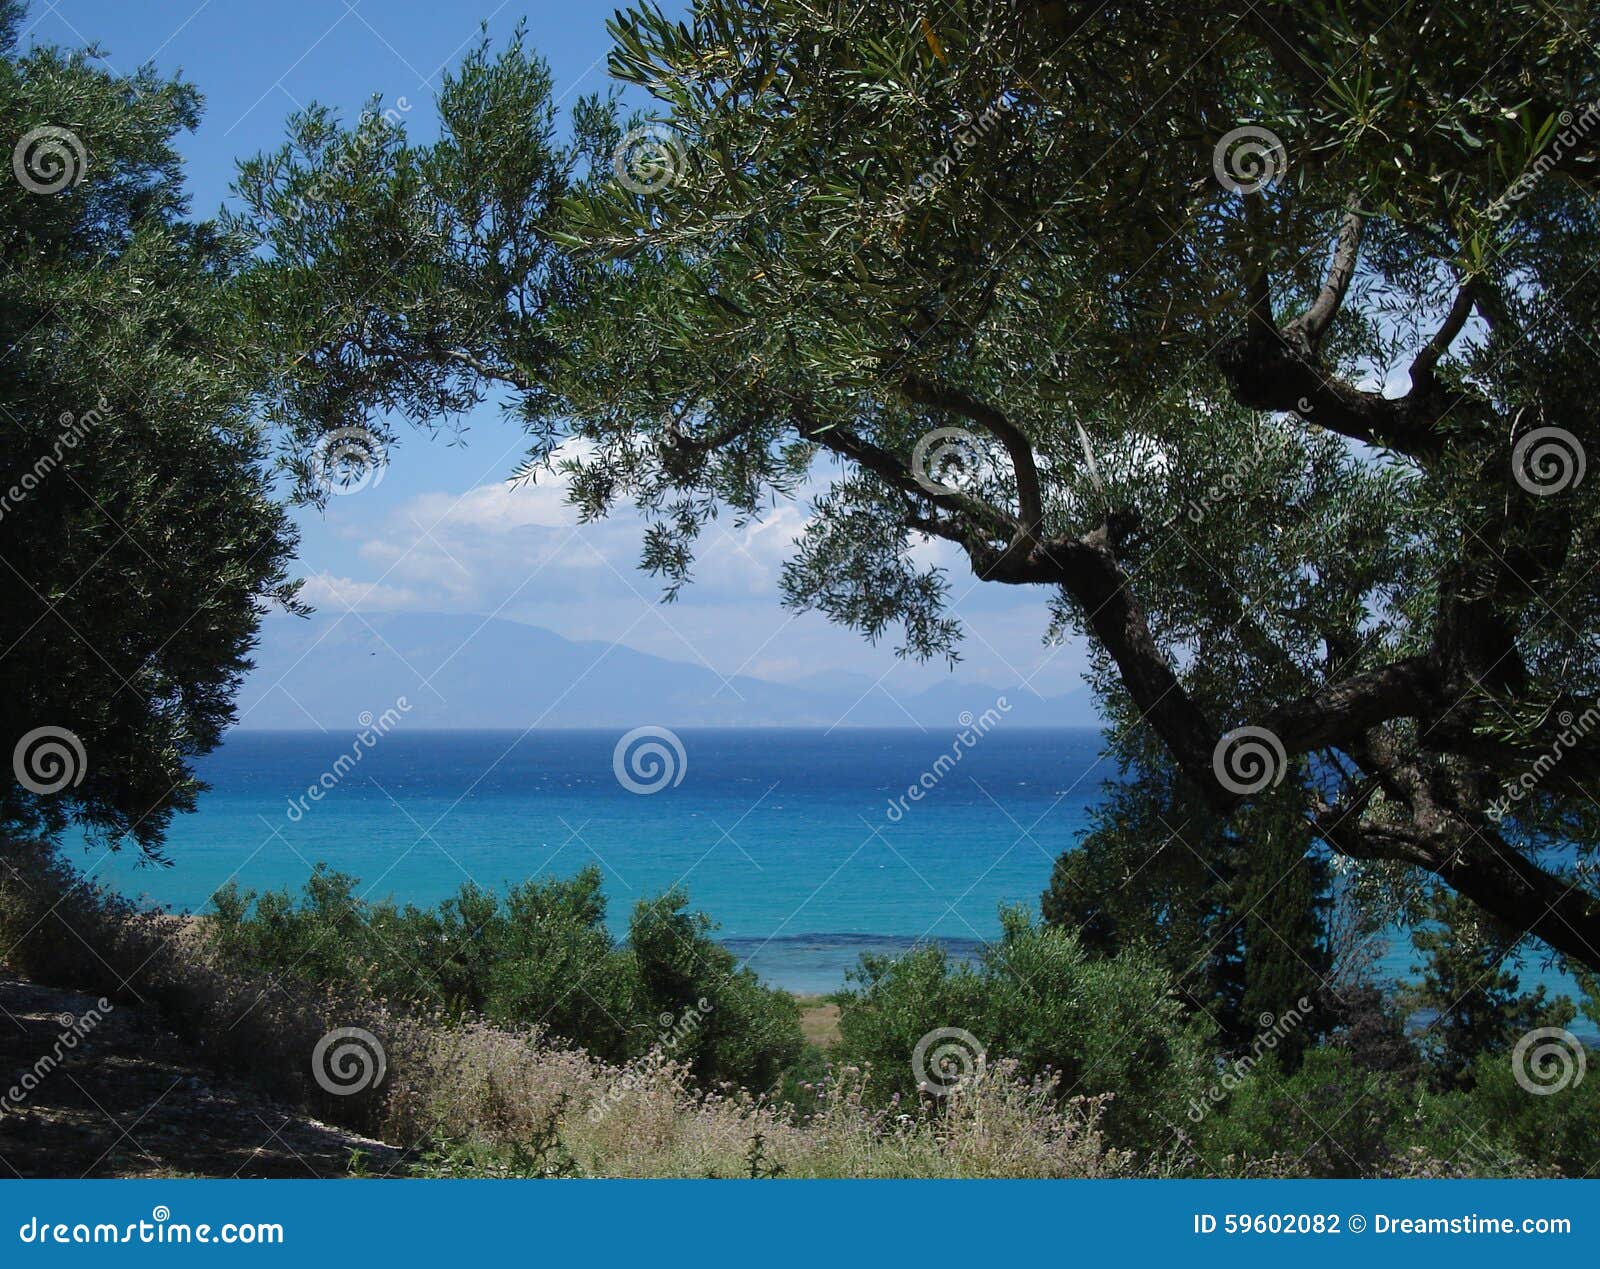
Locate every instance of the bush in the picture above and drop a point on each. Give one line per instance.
(730, 1028)
(513, 1100)
(540, 956)
(477, 1099)
(1330, 1118)
(1367, 1022)
(1333, 1118)
(1096, 1026)
(1557, 1130)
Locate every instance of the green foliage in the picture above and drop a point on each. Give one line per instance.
(1271, 1114)
(845, 226)
(1133, 879)
(1557, 1129)
(136, 519)
(897, 1001)
(412, 280)
(1331, 1118)
(538, 955)
(1101, 1025)
(1473, 1001)
(1233, 909)
(1328, 1119)
(1589, 992)
(1282, 899)
(743, 1032)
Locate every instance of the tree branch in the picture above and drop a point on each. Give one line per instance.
(895, 471)
(1504, 882)
(1271, 373)
(1271, 369)
(1091, 574)
(1346, 710)
(1258, 278)
(487, 370)
(1313, 324)
(1422, 369)
(1030, 504)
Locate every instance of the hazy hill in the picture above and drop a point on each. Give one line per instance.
(472, 672)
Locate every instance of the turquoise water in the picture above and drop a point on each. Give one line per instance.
(785, 837)
(802, 844)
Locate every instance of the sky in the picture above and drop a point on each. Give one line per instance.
(441, 530)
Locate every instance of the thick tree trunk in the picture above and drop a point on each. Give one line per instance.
(1505, 884)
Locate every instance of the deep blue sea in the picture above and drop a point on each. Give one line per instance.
(784, 837)
(790, 839)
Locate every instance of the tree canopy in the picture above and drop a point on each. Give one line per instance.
(139, 536)
(1255, 335)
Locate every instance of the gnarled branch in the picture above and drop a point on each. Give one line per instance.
(1030, 503)
(1422, 368)
(1313, 324)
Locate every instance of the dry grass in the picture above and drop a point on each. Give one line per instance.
(819, 1021)
(483, 1099)
(474, 1099)
(497, 1092)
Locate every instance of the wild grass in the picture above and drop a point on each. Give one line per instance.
(519, 1107)
(472, 1097)
(480, 1099)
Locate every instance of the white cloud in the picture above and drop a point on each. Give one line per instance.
(326, 590)
(518, 552)
(498, 508)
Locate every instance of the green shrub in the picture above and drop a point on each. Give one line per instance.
(1098, 1025)
(1330, 1118)
(546, 957)
(540, 955)
(1558, 1130)
(899, 1001)
(727, 1026)
(1471, 989)
(474, 1099)
(1333, 1118)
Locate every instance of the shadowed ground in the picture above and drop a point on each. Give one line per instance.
(130, 1099)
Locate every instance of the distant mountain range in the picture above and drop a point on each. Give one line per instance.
(471, 672)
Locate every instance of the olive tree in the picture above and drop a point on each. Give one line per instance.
(139, 538)
(1256, 336)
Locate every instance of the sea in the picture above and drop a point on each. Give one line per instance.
(807, 847)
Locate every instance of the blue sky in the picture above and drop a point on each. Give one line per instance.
(441, 531)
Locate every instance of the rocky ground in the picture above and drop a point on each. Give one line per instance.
(113, 1093)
